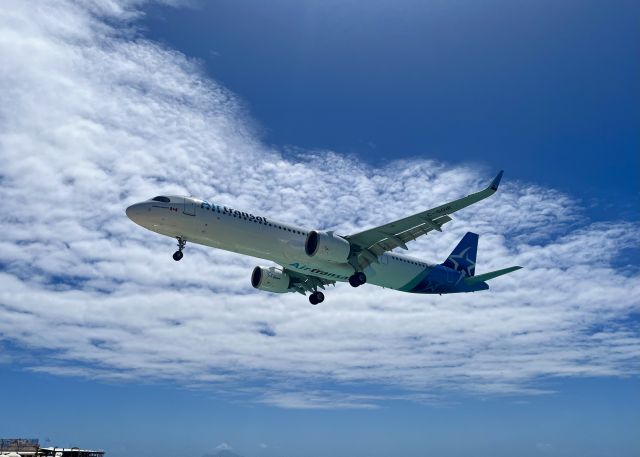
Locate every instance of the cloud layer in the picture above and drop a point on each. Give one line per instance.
(94, 117)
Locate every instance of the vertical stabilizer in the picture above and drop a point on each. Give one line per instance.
(463, 257)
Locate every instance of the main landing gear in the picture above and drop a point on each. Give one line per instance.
(181, 244)
(357, 279)
(316, 297)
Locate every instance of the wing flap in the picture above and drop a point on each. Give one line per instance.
(305, 283)
(370, 255)
(399, 240)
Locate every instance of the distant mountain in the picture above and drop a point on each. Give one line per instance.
(222, 453)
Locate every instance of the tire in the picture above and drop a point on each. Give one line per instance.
(177, 255)
(353, 281)
(361, 278)
(313, 299)
(319, 297)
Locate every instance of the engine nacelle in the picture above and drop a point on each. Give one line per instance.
(270, 279)
(327, 246)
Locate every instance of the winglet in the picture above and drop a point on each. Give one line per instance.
(496, 181)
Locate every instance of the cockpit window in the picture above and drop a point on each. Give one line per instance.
(161, 199)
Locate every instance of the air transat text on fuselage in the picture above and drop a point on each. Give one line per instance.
(225, 209)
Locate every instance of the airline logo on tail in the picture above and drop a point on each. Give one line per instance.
(463, 257)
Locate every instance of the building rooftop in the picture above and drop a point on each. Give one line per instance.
(31, 447)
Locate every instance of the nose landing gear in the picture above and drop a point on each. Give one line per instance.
(181, 244)
(316, 297)
(357, 279)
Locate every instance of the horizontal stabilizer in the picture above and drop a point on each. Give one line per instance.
(490, 275)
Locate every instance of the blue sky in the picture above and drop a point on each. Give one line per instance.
(325, 114)
(542, 89)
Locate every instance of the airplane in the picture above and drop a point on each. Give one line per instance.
(309, 260)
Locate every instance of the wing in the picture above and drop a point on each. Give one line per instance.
(370, 244)
(304, 283)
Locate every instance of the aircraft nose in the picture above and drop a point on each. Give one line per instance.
(136, 212)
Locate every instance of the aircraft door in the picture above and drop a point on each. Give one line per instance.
(189, 207)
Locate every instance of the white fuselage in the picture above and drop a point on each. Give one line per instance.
(223, 227)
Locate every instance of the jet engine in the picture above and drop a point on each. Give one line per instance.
(327, 246)
(270, 279)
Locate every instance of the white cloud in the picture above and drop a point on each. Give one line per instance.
(223, 447)
(93, 119)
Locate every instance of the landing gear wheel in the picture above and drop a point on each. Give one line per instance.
(181, 244)
(316, 297)
(357, 279)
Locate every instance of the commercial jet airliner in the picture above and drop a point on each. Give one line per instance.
(309, 260)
